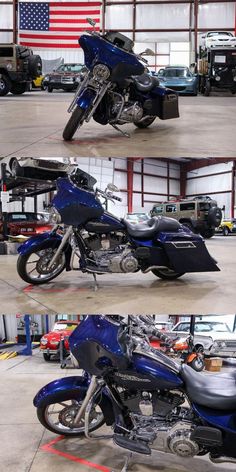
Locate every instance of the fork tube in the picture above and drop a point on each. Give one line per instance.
(79, 88)
(99, 96)
(92, 388)
(64, 240)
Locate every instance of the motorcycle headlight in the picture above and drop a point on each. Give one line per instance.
(217, 78)
(55, 217)
(101, 72)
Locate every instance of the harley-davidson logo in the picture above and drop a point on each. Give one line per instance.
(131, 377)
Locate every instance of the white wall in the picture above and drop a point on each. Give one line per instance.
(221, 182)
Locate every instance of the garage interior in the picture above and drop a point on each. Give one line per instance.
(173, 31)
(141, 183)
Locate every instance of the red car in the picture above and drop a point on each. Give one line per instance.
(50, 343)
(25, 224)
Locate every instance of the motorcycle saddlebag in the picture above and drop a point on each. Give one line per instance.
(164, 105)
(190, 256)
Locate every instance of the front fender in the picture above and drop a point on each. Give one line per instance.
(86, 98)
(69, 388)
(38, 241)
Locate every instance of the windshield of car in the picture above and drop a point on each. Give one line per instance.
(204, 327)
(219, 33)
(31, 217)
(70, 68)
(62, 326)
(178, 72)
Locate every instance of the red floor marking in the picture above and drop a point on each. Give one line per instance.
(48, 448)
(35, 289)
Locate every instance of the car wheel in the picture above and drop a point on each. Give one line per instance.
(47, 357)
(18, 89)
(225, 231)
(207, 233)
(50, 89)
(5, 85)
(207, 89)
(14, 166)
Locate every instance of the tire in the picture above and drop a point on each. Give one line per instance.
(226, 231)
(43, 416)
(167, 274)
(35, 66)
(50, 89)
(214, 216)
(22, 268)
(197, 364)
(14, 167)
(18, 89)
(47, 357)
(207, 233)
(5, 85)
(74, 122)
(207, 88)
(145, 122)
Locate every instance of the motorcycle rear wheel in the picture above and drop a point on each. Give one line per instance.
(74, 122)
(38, 278)
(64, 418)
(167, 274)
(145, 122)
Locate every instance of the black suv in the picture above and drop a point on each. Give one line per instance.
(18, 67)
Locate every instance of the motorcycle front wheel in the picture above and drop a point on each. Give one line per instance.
(33, 267)
(59, 418)
(167, 274)
(73, 124)
(197, 363)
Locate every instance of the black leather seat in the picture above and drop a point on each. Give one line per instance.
(217, 391)
(152, 226)
(145, 82)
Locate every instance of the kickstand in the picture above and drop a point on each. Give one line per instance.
(95, 282)
(127, 135)
(126, 464)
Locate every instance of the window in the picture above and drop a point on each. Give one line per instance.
(170, 208)
(157, 210)
(6, 52)
(187, 206)
(182, 327)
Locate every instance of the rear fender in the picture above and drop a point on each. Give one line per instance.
(85, 99)
(73, 388)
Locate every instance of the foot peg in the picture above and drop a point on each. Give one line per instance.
(131, 444)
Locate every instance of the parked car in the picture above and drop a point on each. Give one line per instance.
(136, 217)
(201, 214)
(38, 168)
(180, 79)
(25, 224)
(213, 337)
(219, 38)
(66, 77)
(50, 343)
(227, 226)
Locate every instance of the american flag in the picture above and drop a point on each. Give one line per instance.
(56, 24)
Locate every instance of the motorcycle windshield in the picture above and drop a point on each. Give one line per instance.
(76, 205)
(121, 63)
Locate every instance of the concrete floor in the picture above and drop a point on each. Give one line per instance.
(72, 292)
(23, 439)
(32, 124)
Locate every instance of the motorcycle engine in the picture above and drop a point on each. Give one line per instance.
(131, 112)
(159, 419)
(111, 254)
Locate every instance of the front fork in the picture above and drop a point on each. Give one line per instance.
(59, 250)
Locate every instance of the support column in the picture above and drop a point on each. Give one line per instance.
(196, 29)
(168, 180)
(233, 190)
(130, 180)
(183, 181)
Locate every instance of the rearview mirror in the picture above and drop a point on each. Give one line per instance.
(147, 52)
(112, 188)
(91, 21)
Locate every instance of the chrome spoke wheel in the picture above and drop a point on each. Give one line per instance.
(60, 417)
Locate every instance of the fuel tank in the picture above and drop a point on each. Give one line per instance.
(106, 223)
(76, 205)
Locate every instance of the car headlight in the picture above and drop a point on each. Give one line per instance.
(55, 217)
(46, 77)
(189, 80)
(217, 78)
(44, 341)
(101, 72)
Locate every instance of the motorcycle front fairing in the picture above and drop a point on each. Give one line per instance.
(182, 251)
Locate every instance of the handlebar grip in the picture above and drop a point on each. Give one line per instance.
(117, 198)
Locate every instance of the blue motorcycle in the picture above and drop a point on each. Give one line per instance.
(150, 401)
(116, 89)
(103, 243)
